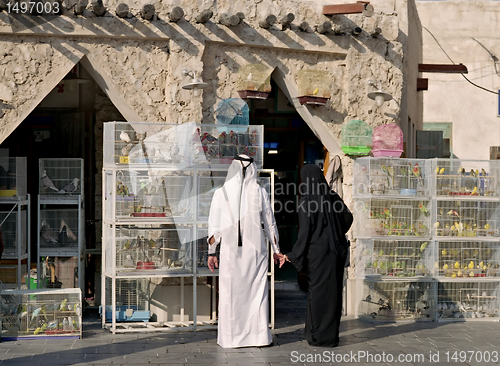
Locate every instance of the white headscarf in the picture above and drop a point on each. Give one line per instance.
(242, 194)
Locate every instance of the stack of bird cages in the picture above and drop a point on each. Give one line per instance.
(153, 250)
(61, 272)
(180, 144)
(466, 178)
(467, 218)
(41, 313)
(13, 178)
(468, 300)
(379, 217)
(468, 259)
(60, 177)
(394, 258)
(396, 300)
(391, 177)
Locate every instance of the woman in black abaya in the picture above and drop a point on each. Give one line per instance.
(321, 248)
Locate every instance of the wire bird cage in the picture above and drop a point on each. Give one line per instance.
(232, 111)
(468, 259)
(254, 81)
(391, 176)
(356, 138)
(455, 177)
(387, 140)
(467, 218)
(396, 258)
(314, 87)
(468, 300)
(13, 177)
(391, 217)
(392, 300)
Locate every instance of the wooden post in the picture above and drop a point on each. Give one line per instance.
(176, 14)
(204, 16)
(122, 10)
(269, 21)
(148, 11)
(229, 20)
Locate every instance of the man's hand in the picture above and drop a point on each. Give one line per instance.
(213, 263)
(279, 257)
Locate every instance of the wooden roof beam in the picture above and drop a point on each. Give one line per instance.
(443, 68)
(358, 7)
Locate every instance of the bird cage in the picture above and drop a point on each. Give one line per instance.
(232, 111)
(314, 87)
(13, 177)
(468, 300)
(397, 258)
(356, 138)
(62, 177)
(387, 140)
(254, 81)
(395, 299)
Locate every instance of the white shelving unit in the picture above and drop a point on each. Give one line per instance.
(438, 224)
(14, 222)
(158, 183)
(61, 224)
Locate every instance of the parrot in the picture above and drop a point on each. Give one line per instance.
(63, 306)
(37, 311)
(423, 209)
(253, 137)
(233, 138)
(222, 137)
(423, 246)
(387, 213)
(418, 173)
(453, 212)
(124, 136)
(127, 245)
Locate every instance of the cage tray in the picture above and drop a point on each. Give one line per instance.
(148, 214)
(121, 313)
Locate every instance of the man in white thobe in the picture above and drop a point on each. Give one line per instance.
(238, 210)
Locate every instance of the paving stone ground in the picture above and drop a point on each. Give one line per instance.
(362, 343)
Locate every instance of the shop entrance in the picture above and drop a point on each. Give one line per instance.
(289, 143)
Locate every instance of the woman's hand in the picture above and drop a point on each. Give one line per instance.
(279, 257)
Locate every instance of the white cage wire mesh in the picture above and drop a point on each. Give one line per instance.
(41, 313)
(150, 193)
(133, 298)
(468, 300)
(59, 228)
(13, 178)
(61, 177)
(155, 248)
(390, 176)
(394, 258)
(456, 177)
(391, 217)
(180, 144)
(467, 218)
(468, 259)
(396, 300)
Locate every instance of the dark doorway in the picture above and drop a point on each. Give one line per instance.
(289, 143)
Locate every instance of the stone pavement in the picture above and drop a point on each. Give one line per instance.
(361, 343)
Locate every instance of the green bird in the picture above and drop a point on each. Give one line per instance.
(423, 246)
(63, 306)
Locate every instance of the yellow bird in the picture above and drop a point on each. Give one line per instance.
(437, 170)
(315, 91)
(441, 171)
(474, 191)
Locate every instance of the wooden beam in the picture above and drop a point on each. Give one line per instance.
(443, 68)
(344, 8)
(422, 84)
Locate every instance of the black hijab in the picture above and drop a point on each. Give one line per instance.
(326, 206)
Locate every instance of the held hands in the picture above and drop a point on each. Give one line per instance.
(213, 263)
(279, 257)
